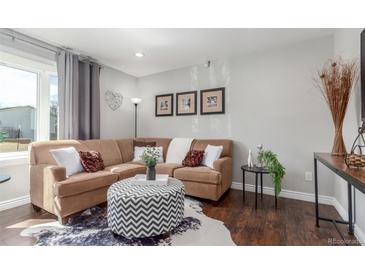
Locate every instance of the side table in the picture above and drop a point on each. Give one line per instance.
(4, 178)
(258, 171)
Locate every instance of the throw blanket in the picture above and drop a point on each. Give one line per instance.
(177, 150)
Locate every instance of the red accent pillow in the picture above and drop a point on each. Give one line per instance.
(91, 161)
(193, 158)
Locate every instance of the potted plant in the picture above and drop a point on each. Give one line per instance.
(150, 157)
(276, 169)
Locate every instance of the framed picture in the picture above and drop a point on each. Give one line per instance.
(212, 101)
(186, 103)
(164, 105)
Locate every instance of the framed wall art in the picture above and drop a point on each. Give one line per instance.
(212, 101)
(186, 103)
(164, 105)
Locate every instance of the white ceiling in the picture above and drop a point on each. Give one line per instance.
(167, 49)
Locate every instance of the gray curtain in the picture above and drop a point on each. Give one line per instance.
(79, 97)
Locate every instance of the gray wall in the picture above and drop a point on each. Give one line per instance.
(270, 99)
(118, 123)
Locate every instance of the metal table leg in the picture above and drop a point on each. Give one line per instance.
(256, 179)
(349, 194)
(316, 192)
(243, 185)
(261, 186)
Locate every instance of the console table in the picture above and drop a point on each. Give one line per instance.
(355, 177)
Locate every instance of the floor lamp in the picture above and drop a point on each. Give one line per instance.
(135, 101)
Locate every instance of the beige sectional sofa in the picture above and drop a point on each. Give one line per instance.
(53, 192)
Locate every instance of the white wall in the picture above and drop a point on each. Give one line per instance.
(347, 45)
(270, 99)
(118, 123)
(16, 191)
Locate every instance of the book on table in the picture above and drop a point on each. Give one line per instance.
(141, 179)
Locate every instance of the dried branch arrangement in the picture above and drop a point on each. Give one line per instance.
(336, 81)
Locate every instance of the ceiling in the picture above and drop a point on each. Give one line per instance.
(168, 49)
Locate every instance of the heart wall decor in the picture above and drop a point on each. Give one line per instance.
(113, 99)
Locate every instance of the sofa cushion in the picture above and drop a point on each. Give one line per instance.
(178, 149)
(198, 174)
(91, 161)
(108, 149)
(140, 163)
(139, 143)
(164, 168)
(160, 142)
(39, 151)
(193, 158)
(201, 144)
(68, 158)
(126, 149)
(126, 170)
(84, 182)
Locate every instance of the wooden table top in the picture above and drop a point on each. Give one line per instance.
(355, 176)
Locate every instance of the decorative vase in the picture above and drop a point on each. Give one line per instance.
(336, 81)
(151, 173)
(249, 160)
(338, 148)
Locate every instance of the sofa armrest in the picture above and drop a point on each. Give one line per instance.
(223, 163)
(54, 174)
(224, 166)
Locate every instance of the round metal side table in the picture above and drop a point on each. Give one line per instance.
(258, 171)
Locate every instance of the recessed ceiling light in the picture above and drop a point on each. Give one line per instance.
(139, 54)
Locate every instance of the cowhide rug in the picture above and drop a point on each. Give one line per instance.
(91, 229)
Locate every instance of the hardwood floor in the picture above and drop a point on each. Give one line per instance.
(291, 224)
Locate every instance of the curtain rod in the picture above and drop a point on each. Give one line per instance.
(14, 35)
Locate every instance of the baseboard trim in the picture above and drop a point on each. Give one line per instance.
(296, 195)
(14, 202)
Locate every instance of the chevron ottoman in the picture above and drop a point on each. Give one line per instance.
(143, 211)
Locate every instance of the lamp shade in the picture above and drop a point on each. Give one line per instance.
(136, 100)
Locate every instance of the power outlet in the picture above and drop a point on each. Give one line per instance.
(308, 176)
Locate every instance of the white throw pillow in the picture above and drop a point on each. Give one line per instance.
(69, 158)
(138, 152)
(177, 150)
(211, 154)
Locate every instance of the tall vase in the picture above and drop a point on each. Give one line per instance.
(151, 173)
(338, 148)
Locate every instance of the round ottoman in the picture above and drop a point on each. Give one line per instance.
(137, 211)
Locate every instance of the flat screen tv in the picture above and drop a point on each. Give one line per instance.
(362, 71)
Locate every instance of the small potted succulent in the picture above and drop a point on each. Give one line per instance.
(150, 157)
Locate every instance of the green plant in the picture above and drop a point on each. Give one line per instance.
(276, 169)
(150, 156)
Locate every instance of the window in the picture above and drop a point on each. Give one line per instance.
(28, 102)
(53, 107)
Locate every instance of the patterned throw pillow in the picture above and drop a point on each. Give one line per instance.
(193, 158)
(91, 161)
